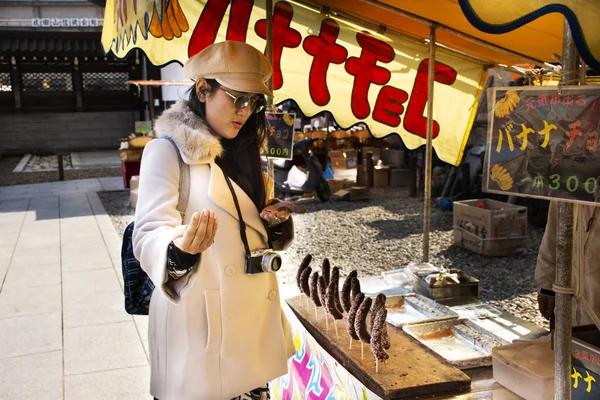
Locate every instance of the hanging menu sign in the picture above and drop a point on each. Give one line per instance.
(543, 142)
(280, 135)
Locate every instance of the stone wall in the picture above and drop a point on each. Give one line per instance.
(43, 133)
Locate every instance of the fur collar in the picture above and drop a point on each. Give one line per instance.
(191, 134)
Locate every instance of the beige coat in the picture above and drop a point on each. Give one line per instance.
(217, 332)
(586, 250)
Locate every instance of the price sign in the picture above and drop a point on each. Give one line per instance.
(585, 381)
(280, 135)
(143, 127)
(544, 144)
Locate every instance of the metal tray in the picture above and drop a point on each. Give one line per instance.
(498, 323)
(476, 310)
(398, 277)
(460, 342)
(468, 287)
(413, 308)
(373, 285)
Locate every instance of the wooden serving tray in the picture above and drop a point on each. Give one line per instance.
(411, 370)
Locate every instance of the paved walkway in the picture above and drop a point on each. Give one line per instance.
(87, 159)
(63, 331)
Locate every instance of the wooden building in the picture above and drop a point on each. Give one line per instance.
(58, 90)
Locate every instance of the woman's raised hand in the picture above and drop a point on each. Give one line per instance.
(199, 234)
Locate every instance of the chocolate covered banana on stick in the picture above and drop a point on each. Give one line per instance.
(314, 293)
(355, 303)
(305, 284)
(314, 289)
(334, 283)
(378, 334)
(360, 324)
(305, 262)
(322, 289)
(346, 290)
(325, 270)
(332, 297)
(355, 287)
(378, 305)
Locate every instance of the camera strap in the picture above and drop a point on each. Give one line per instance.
(242, 223)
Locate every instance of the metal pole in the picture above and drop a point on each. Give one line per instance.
(326, 135)
(270, 107)
(151, 102)
(269, 49)
(145, 89)
(582, 73)
(428, 145)
(564, 253)
(15, 82)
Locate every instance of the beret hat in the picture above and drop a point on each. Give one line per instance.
(235, 65)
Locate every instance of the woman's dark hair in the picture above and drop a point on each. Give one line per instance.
(241, 157)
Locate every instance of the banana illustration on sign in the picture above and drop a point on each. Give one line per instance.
(501, 176)
(161, 18)
(172, 23)
(287, 118)
(507, 104)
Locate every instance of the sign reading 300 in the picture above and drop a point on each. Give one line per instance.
(544, 143)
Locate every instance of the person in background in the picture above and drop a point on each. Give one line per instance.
(216, 327)
(586, 265)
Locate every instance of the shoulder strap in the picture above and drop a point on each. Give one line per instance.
(184, 180)
(241, 219)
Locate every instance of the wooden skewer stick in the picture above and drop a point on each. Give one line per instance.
(376, 366)
(337, 335)
(350, 342)
(362, 350)
(326, 322)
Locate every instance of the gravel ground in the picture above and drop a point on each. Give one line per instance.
(385, 233)
(47, 163)
(34, 175)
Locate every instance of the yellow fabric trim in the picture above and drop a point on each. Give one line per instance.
(467, 133)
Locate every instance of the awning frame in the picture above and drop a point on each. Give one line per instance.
(367, 24)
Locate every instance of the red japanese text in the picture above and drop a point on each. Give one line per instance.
(283, 36)
(415, 122)
(212, 15)
(365, 71)
(325, 51)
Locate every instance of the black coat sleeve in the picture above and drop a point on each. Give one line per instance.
(280, 236)
(179, 262)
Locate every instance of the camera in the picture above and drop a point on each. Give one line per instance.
(262, 260)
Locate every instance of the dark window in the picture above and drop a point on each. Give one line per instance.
(44, 82)
(105, 82)
(5, 84)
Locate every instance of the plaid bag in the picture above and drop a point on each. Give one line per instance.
(138, 287)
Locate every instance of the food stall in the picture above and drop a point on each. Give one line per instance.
(434, 349)
(377, 63)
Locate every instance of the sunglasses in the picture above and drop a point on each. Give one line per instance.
(256, 104)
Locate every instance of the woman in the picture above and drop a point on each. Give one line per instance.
(215, 332)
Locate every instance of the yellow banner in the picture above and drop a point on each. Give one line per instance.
(501, 16)
(321, 62)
